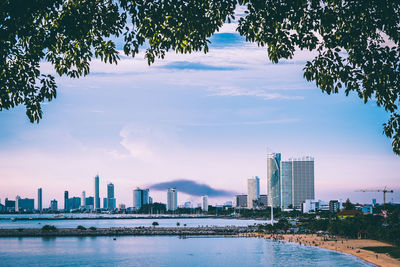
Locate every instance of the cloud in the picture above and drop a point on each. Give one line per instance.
(192, 188)
(187, 65)
(238, 91)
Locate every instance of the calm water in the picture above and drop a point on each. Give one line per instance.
(163, 222)
(165, 251)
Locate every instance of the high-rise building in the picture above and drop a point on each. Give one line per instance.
(40, 199)
(204, 203)
(111, 202)
(303, 180)
(9, 204)
(286, 185)
(66, 200)
(273, 179)
(172, 199)
(263, 201)
(96, 193)
(83, 198)
(253, 191)
(140, 198)
(54, 205)
(73, 203)
(241, 201)
(24, 204)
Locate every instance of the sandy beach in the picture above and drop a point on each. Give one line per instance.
(350, 246)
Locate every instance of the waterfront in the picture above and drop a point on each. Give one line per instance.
(146, 222)
(165, 251)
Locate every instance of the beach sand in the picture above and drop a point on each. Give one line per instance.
(350, 246)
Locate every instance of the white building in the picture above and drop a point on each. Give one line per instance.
(172, 199)
(311, 205)
(253, 191)
(204, 203)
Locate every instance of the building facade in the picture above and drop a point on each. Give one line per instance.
(204, 203)
(273, 179)
(54, 205)
(111, 201)
(253, 191)
(96, 192)
(40, 207)
(286, 185)
(241, 201)
(303, 180)
(172, 199)
(66, 196)
(140, 198)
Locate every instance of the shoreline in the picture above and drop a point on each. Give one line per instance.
(343, 245)
(125, 231)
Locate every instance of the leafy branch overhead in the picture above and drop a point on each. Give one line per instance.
(357, 42)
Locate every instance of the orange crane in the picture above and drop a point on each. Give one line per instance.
(378, 190)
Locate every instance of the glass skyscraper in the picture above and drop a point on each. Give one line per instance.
(96, 193)
(111, 202)
(253, 191)
(140, 198)
(273, 179)
(286, 184)
(40, 199)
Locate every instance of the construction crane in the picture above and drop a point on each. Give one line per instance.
(384, 191)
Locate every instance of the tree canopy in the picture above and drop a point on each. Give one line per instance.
(356, 41)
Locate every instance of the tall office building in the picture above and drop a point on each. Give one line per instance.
(286, 185)
(172, 199)
(303, 180)
(111, 202)
(53, 205)
(83, 198)
(273, 179)
(39, 192)
(241, 201)
(140, 198)
(66, 200)
(204, 203)
(297, 182)
(96, 193)
(253, 191)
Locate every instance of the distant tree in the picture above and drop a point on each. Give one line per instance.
(356, 42)
(155, 224)
(348, 205)
(178, 224)
(49, 228)
(93, 228)
(80, 227)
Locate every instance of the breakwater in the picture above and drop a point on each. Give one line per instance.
(124, 231)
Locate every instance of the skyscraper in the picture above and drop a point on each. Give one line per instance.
(39, 192)
(204, 203)
(111, 202)
(66, 201)
(303, 180)
(53, 205)
(253, 191)
(140, 198)
(297, 182)
(273, 179)
(286, 184)
(96, 193)
(172, 199)
(83, 198)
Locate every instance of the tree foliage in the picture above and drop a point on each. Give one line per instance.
(356, 42)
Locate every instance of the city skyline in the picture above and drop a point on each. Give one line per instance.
(207, 118)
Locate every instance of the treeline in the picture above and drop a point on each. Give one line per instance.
(364, 226)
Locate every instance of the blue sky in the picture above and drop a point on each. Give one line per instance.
(210, 118)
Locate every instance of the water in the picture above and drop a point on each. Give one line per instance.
(163, 222)
(165, 251)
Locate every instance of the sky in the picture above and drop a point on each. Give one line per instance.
(209, 118)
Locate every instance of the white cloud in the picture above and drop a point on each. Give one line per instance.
(238, 91)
